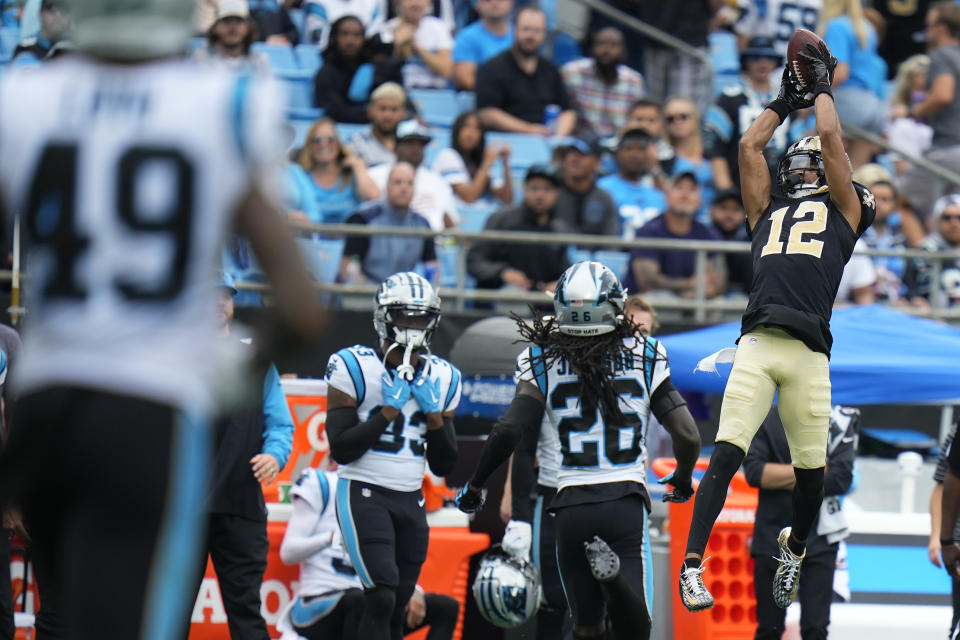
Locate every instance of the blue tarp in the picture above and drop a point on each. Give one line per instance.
(879, 356)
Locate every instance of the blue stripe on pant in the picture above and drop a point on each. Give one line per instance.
(349, 529)
(179, 541)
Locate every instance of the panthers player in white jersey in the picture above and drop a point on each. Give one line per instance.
(389, 412)
(126, 166)
(329, 598)
(588, 378)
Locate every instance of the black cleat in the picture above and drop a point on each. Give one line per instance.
(604, 562)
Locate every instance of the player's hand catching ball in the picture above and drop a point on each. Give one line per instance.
(470, 500)
(682, 489)
(820, 64)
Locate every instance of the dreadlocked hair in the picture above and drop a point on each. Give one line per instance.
(595, 358)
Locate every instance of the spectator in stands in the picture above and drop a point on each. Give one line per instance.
(909, 224)
(919, 276)
(669, 72)
(859, 279)
(432, 195)
(728, 218)
(467, 165)
(632, 187)
(274, 25)
(581, 204)
(940, 108)
(647, 114)
(905, 24)
(672, 272)
(683, 134)
(422, 42)
(737, 107)
(381, 256)
(54, 23)
(515, 87)
(885, 233)
(478, 42)
(231, 36)
(332, 177)
(526, 267)
(860, 77)
(602, 86)
(321, 14)
(910, 88)
(387, 109)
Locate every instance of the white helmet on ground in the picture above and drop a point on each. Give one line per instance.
(589, 300)
(131, 29)
(507, 590)
(406, 313)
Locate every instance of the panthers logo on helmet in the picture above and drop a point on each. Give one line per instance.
(589, 300)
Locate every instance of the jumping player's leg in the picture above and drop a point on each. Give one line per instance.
(553, 613)
(746, 402)
(370, 540)
(804, 405)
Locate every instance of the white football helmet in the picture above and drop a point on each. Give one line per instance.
(588, 300)
(507, 590)
(131, 29)
(406, 313)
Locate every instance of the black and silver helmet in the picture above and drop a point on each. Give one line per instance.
(507, 590)
(803, 156)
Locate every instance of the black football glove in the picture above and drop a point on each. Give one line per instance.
(682, 489)
(820, 64)
(470, 500)
(791, 96)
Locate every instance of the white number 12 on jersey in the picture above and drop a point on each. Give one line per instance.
(795, 242)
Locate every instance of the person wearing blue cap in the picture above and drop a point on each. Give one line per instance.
(921, 287)
(737, 107)
(252, 446)
(581, 203)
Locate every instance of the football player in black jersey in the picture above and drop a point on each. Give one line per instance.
(801, 240)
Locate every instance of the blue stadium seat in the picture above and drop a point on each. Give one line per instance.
(616, 261)
(437, 107)
(346, 130)
(198, 42)
(578, 255)
(466, 101)
(474, 216)
(526, 149)
(322, 256)
(440, 141)
(447, 257)
(281, 57)
(308, 58)
(300, 99)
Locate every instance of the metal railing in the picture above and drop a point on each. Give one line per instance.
(700, 306)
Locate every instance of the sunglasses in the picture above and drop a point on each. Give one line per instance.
(947, 218)
(322, 139)
(677, 116)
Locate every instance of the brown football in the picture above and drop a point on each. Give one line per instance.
(797, 44)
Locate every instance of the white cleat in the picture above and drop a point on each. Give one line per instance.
(693, 592)
(787, 578)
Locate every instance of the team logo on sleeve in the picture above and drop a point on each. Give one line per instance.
(868, 200)
(331, 368)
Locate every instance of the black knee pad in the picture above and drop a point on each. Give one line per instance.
(379, 602)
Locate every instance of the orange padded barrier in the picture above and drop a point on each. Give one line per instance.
(729, 574)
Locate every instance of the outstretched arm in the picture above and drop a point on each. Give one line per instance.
(754, 173)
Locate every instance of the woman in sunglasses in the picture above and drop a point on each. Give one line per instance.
(330, 180)
(683, 134)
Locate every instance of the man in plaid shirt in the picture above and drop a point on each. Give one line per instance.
(602, 87)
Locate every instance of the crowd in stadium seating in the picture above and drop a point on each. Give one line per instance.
(636, 131)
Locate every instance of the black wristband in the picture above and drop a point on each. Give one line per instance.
(947, 542)
(780, 107)
(822, 88)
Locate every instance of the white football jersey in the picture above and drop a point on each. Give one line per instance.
(778, 19)
(397, 460)
(125, 178)
(591, 451)
(548, 444)
(329, 569)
